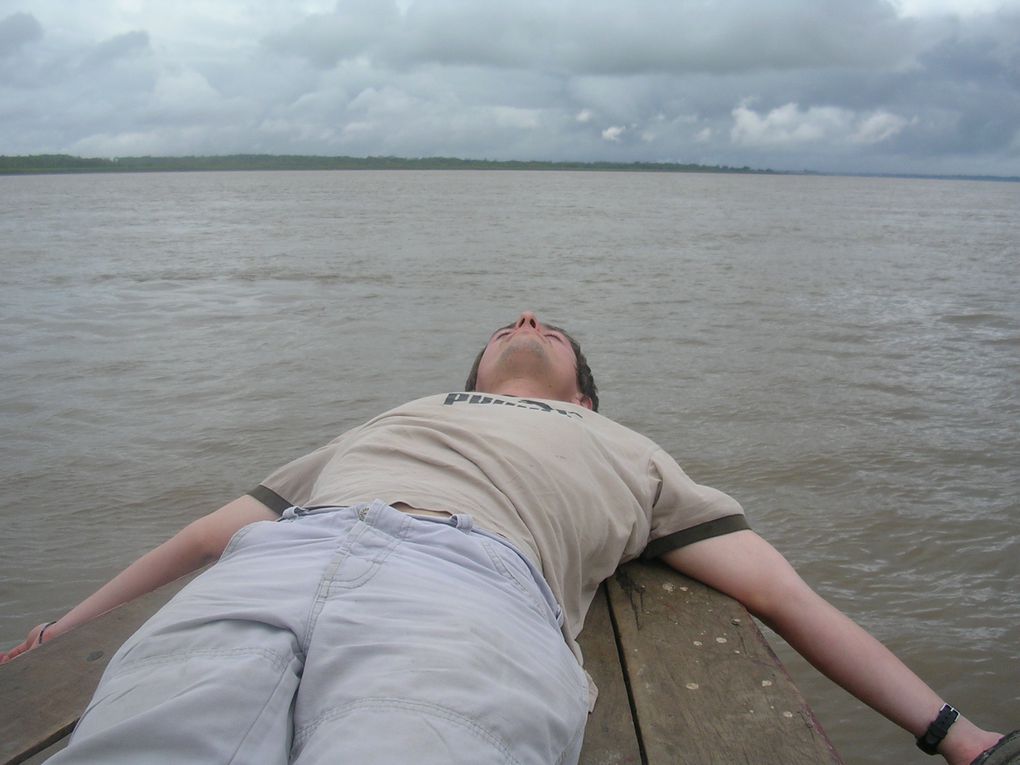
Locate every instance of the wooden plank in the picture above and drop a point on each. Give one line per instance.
(706, 686)
(49, 688)
(609, 738)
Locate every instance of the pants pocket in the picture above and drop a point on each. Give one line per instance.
(520, 578)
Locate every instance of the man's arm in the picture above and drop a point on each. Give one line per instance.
(749, 569)
(197, 544)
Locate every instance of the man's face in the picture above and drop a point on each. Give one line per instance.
(529, 358)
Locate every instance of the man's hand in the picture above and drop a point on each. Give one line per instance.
(963, 745)
(35, 638)
(198, 544)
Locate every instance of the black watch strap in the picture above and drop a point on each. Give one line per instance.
(929, 742)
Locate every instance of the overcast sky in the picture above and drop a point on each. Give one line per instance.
(919, 86)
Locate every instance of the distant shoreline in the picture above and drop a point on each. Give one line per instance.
(55, 164)
(64, 163)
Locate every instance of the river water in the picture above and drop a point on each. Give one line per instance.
(842, 355)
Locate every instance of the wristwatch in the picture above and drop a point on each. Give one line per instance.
(929, 741)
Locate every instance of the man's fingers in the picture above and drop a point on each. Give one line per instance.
(28, 645)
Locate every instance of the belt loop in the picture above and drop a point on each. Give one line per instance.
(463, 522)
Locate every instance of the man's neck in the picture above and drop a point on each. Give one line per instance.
(526, 388)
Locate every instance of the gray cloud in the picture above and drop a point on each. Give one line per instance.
(17, 30)
(354, 29)
(606, 38)
(799, 83)
(118, 47)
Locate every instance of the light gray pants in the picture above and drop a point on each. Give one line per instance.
(359, 635)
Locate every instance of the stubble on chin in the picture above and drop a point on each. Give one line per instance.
(524, 351)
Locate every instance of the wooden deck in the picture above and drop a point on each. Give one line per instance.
(684, 676)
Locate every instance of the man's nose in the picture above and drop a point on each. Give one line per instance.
(527, 318)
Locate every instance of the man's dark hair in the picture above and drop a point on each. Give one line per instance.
(585, 380)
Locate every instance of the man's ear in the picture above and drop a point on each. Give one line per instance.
(584, 401)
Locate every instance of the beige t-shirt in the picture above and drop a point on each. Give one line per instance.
(576, 492)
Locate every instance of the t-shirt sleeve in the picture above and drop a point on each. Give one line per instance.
(685, 512)
(294, 483)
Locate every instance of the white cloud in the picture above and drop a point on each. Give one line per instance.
(584, 116)
(878, 127)
(791, 126)
(786, 125)
(613, 133)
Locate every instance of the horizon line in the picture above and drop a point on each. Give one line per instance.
(58, 163)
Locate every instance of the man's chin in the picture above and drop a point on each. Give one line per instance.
(527, 356)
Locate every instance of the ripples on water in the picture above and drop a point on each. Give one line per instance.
(839, 354)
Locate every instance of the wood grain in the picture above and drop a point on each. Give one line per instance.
(707, 689)
(609, 738)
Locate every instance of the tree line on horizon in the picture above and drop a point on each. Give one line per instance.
(65, 163)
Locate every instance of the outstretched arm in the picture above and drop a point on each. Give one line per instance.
(749, 569)
(197, 544)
